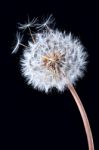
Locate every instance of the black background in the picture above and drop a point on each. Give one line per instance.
(49, 121)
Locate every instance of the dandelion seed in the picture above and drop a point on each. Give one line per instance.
(18, 43)
(27, 24)
(46, 23)
(19, 39)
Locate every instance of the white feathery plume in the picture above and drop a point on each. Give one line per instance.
(46, 23)
(27, 24)
(54, 59)
(19, 39)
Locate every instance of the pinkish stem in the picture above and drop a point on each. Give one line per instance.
(83, 115)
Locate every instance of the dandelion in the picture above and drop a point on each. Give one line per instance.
(55, 59)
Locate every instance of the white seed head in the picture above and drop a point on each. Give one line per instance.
(51, 58)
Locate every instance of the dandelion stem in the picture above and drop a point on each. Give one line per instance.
(31, 35)
(83, 115)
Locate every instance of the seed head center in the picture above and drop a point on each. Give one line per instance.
(52, 61)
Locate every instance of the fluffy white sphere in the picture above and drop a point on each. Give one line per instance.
(53, 57)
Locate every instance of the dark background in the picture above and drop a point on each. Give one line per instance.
(49, 121)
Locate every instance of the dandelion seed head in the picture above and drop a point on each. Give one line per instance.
(51, 57)
(53, 54)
